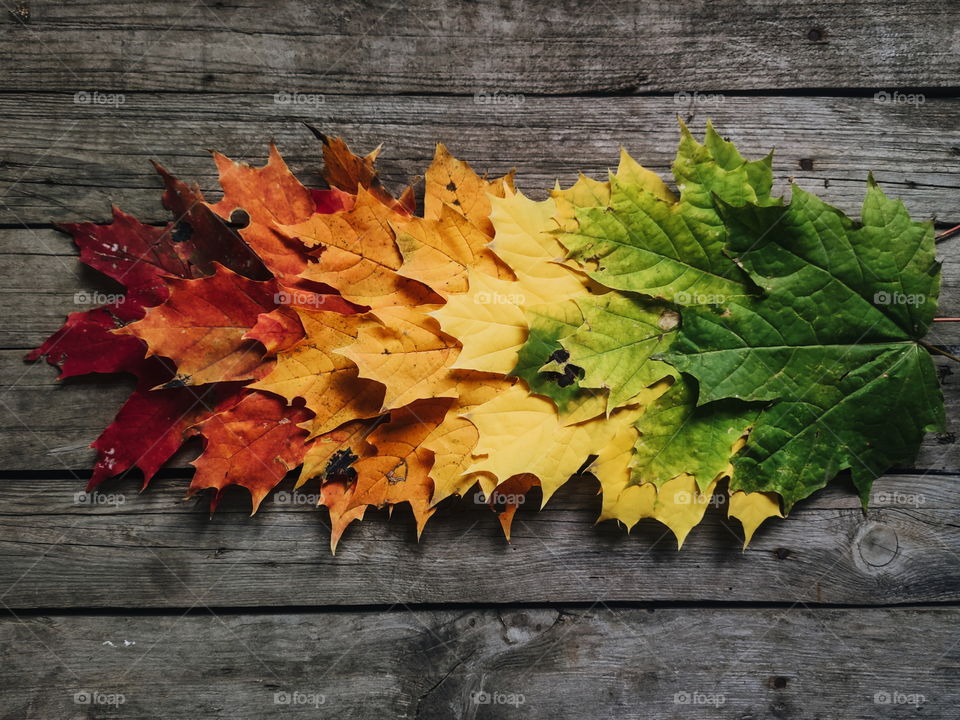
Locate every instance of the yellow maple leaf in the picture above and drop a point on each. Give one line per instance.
(521, 433)
(407, 353)
(751, 509)
(489, 317)
(439, 252)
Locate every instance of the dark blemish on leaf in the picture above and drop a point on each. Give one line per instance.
(177, 382)
(781, 553)
(452, 186)
(239, 217)
(182, 232)
(817, 35)
(456, 202)
(560, 355)
(338, 466)
(806, 164)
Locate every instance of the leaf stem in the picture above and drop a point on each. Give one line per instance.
(947, 233)
(939, 351)
(946, 319)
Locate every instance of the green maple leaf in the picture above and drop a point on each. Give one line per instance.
(678, 437)
(642, 243)
(832, 345)
(614, 344)
(542, 361)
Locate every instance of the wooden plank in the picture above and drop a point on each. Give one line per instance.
(428, 46)
(532, 663)
(62, 161)
(48, 425)
(59, 549)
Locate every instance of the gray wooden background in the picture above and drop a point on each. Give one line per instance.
(141, 606)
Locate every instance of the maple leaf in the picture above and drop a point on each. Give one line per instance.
(151, 425)
(545, 365)
(677, 437)
(751, 509)
(453, 183)
(253, 444)
(511, 494)
(678, 503)
(407, 353)
(202, 236)
(316, 370)
(331, 457)
(359, 254)
(201, 327)
(615, 342)
(345, 171)
(399, 472)
(138, 257)
(514, 421)
(642, 242)
(489, 318)
(832, 343)
(271, 197)
(440, 252)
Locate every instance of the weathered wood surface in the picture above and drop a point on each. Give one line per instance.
(63, 161)
(62, 549)
(824, 615)
(546, 663)
(430, 46)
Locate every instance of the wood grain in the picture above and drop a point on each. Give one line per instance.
(533, 663)
(61, 549)
(429, 46)
(60, 161)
